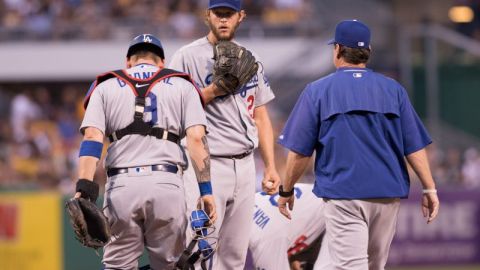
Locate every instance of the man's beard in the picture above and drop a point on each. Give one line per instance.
(219, 36)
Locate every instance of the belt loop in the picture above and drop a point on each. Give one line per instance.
(180, 169)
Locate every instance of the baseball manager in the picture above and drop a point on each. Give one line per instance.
(361, 125)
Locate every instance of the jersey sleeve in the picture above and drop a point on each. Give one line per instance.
(177, 62)
(192, 109)
(300, 133)
(415, 135)
(264, 93)
(95, 111)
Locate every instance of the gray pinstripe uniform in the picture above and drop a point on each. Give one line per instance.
(145, 208)
(232, 131)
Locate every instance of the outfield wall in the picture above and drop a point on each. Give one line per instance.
(36, 234)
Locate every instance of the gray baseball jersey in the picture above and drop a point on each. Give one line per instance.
(112, 106)
(230, 117)
(138, 216)
(232, 131)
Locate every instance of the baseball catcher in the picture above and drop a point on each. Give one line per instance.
(234, 66)
(145, 198)
(89, 224)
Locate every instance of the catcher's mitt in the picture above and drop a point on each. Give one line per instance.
(89, 224)
(234, 66)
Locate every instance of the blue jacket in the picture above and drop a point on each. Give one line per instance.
(361, 125)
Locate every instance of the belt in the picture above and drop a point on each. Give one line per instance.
(160, 167)
(239, 156)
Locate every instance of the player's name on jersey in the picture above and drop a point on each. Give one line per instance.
(260, 218)
(137, 75)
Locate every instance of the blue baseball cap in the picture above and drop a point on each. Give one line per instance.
(233, 4)
(353, 34)
(146, 42)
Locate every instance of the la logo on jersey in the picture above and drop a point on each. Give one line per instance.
(147, 38)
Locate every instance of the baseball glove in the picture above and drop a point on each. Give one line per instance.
(234, 66)
(89, 224)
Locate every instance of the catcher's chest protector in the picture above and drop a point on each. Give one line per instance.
(141, 89)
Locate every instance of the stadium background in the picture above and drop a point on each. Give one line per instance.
(51, 50)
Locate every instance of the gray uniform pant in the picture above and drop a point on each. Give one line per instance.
(233, 184)
(360, 232)
(145, 210)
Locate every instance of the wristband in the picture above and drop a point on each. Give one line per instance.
(283, 193)
(433, 190)
(89, 189)
(205, 188)
(91, 148)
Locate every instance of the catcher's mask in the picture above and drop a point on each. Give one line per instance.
(202, 229)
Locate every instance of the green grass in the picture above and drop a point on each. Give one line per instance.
(437, 268)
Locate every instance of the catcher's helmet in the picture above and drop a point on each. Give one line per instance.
(146, 42)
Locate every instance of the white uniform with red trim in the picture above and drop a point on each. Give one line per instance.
(274, 237)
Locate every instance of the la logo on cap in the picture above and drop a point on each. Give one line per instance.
(147, 38)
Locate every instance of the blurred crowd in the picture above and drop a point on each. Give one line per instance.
(117, 19)
(39, 142)
(39, 137)
(455, 167)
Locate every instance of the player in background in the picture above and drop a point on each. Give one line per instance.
(276, 243)
(144, 198)
(237, 125)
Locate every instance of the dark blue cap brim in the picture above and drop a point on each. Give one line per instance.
(224, 5)
(331, 41)
(147, 47)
